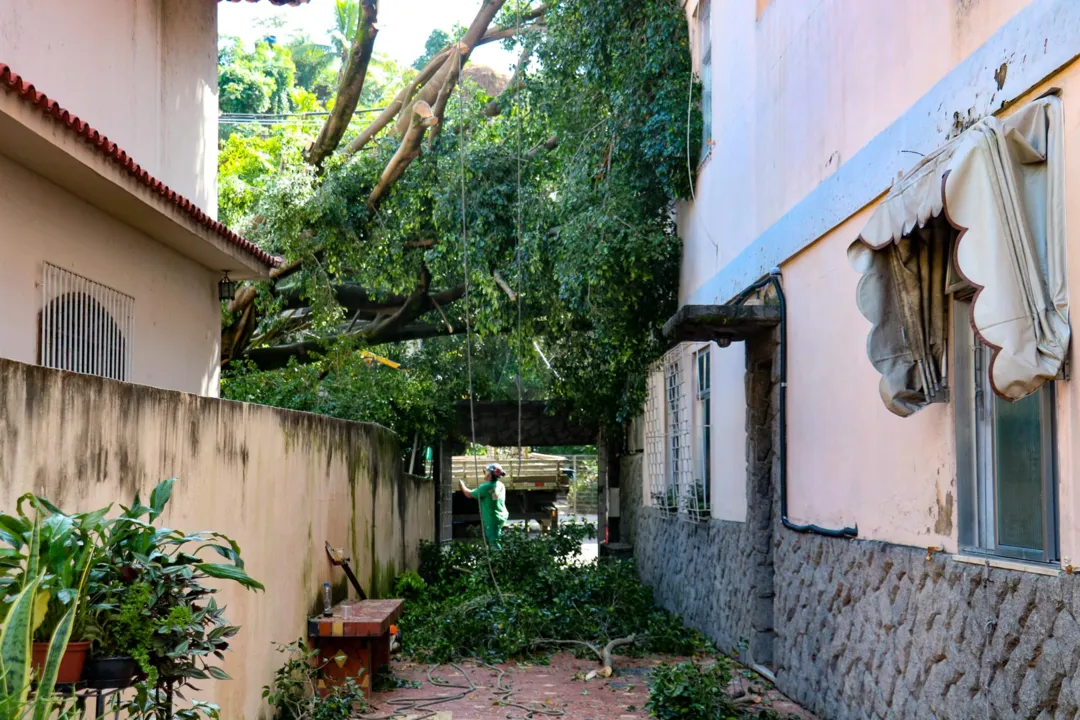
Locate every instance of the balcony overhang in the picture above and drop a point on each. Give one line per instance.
(720, 323)
(42, 137)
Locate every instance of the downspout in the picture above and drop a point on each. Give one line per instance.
(773, 279)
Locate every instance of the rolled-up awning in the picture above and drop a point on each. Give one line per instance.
(1000, 187)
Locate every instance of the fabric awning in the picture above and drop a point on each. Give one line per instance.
(999, 186)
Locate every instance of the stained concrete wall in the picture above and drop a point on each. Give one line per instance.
(281, 483)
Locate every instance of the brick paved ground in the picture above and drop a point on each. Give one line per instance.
(552, 689)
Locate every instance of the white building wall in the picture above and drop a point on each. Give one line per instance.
(177, 336)
(143, 72)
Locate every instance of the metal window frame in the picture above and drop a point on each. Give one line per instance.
(699, 506)
(975, 442)
(656, 440)
(85, 326)
(703, 18)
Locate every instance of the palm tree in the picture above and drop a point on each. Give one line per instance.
(346, 15)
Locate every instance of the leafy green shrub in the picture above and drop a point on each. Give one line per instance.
(691, 691)
(697, 691)
(294, 694)
(541, 595)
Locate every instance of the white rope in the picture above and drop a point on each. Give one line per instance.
(468, 321)
(520, 288)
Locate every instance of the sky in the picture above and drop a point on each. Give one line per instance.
(404, 25)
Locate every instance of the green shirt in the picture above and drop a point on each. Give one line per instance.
(492, 498)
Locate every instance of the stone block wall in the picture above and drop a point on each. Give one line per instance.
(700, 571)
(871, 630)
(855, 629)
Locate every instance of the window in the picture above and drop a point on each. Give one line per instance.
(699, 502)
(678, 448)
(704, 30)
(84, 326)
(656, 441)
(1006, 469)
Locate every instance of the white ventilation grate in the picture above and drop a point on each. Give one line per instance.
(86, 327)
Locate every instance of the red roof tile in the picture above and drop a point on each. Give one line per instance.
(12, 83)
(278, 2)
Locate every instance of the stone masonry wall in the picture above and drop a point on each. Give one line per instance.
(862, 630)
(700, 571)
(870, 630)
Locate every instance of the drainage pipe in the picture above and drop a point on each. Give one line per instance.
(773, 279)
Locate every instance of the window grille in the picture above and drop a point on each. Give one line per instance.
(86, 327)
(655, 444)
(704, 28)
(698, 500)
(679, 452)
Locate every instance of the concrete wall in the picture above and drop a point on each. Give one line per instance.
(827, 77)
(281, 483)
(177, 334)
(144, 72)
(799, 88)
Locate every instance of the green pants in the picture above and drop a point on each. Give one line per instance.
(493, 532)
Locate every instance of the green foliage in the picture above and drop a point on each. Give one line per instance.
(61, 546)
(143, 587)
(259, 81)
(437, 40)
(599, 255)
(294, 693)
(546, 593)
(17, 632)
(697, 691)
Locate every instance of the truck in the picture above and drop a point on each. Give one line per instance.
(533, 486)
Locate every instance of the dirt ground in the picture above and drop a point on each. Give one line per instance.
(537, 692)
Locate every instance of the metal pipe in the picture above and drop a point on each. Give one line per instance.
(773, 279)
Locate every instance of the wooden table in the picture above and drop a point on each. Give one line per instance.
(354, 641)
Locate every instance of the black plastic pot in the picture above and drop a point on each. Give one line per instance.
(110, 672)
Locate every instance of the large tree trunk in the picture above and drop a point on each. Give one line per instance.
(352, 84)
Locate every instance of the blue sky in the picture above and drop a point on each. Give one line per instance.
(404, 25)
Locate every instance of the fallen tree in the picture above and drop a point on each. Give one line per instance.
(546, 600)
(548, 219)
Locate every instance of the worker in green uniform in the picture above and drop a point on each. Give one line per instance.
(492, 497)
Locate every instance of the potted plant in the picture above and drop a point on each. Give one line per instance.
(122, 632)
(699, 505)
(667, 501)
(175, 629)
(16, 637)
(62, 548)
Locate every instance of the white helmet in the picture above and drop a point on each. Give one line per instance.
(495, 470)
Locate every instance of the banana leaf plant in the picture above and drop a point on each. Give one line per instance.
(17, 635)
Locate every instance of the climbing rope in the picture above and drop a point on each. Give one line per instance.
(468, 319)
(519, 72)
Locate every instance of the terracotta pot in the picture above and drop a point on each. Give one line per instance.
(71, 665)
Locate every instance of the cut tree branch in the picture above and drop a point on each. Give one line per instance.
(409, 150)
(437, 63)
(403, 98)
(352, 84)
(306, 351)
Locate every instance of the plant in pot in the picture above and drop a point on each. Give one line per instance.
(63, 548)
(122, 632)
(16, 638)
(699, 505)
(179, 634)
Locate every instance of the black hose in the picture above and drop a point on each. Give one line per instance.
(773, 279)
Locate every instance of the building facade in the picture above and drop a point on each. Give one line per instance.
(855, 467)
(108, 163)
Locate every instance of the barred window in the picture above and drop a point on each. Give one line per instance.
(85, 326)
